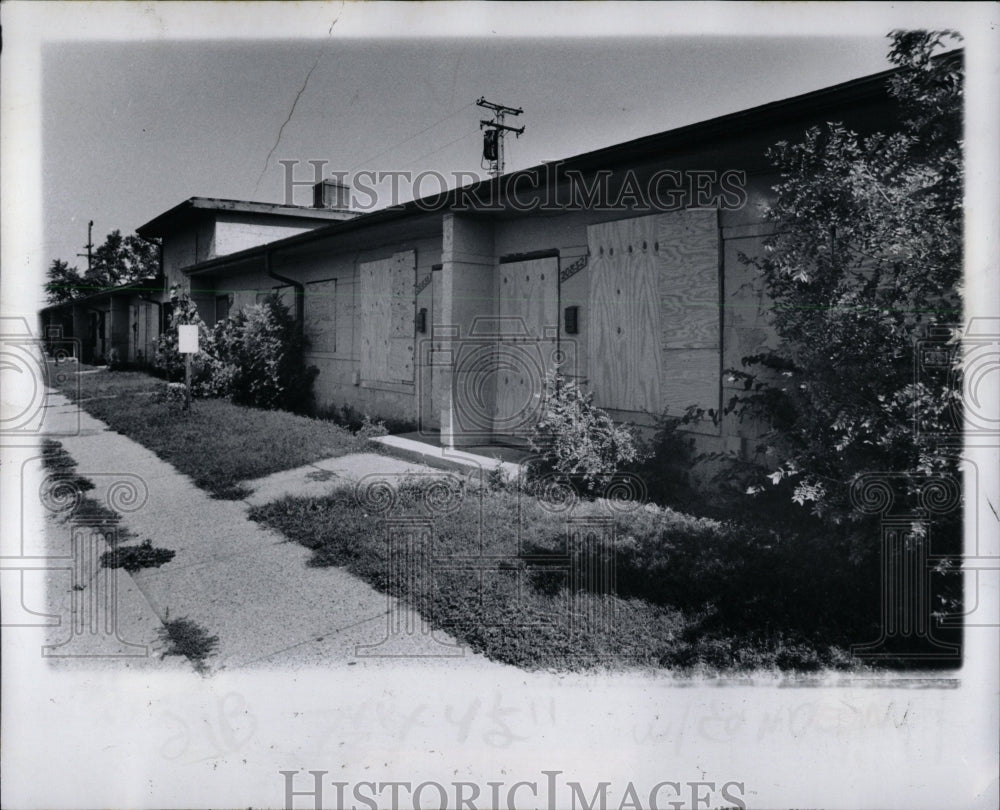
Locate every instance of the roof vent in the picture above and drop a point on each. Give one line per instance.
(331, 194)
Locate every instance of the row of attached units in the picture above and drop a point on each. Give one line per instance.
(623, 268)
(121, 325)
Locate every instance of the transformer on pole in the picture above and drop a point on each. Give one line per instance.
(494, 134)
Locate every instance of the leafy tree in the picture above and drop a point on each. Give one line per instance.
(119, 260)
(64, 282)
(867, 254)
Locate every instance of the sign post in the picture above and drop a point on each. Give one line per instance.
(187, 344)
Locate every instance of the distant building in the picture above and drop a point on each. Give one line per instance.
(128, 319)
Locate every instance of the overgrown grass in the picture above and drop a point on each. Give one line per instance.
(65, 495)
(61, 465)
(689, 593)
(88, 382)
(217, 443)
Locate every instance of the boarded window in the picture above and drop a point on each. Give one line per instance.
(654, 300)
(386, 318)
(321, 315)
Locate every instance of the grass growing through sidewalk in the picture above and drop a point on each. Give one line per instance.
(135, 558)
(689, 594)
(218, 444)
(188, 638)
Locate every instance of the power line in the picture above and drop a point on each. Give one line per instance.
(442, 148)
(414, 135)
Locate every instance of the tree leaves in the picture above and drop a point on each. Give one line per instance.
(867, 253)
(119, 260)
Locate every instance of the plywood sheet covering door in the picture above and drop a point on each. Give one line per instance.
(653, 334)
(624, 332)
(688, 251)
(386, 318)
(528, 309)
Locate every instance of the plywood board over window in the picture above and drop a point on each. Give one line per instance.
(321, 315)
(386, 318)
(654, 311)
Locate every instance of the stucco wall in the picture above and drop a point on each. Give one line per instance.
(179, 251)
(332, 318)
(236, 231)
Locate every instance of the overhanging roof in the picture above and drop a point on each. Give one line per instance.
(196, 207)
(824, 104)
(148, 284)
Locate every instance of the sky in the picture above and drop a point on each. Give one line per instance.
(116, 112)
(130, 129)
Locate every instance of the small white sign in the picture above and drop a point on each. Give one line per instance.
(187, 338)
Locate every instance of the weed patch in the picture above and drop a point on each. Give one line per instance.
(188, 638)
(135, 558)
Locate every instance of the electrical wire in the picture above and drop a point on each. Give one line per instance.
(441, 148)
(414, 135)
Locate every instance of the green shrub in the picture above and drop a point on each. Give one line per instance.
(261, 355)
(345, 415)
(666, 463)
(576, 439)
(359, 422)
(372, 428)
(255, 357)
(169, 363)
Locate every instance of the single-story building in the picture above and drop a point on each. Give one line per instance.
(125, 321)
(120, 324)
(620, 266)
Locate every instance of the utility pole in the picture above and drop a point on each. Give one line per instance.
(89, 246)
(495, 130)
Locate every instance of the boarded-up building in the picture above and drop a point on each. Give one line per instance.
(620, 266)
(124, 322)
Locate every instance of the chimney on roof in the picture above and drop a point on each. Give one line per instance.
(331, 194)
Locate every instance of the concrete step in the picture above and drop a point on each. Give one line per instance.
(446, 458)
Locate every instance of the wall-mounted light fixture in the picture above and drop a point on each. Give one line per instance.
(571, 320)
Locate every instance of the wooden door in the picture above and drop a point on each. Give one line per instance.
(528, 323)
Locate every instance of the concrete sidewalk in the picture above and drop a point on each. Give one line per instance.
(239, 581)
